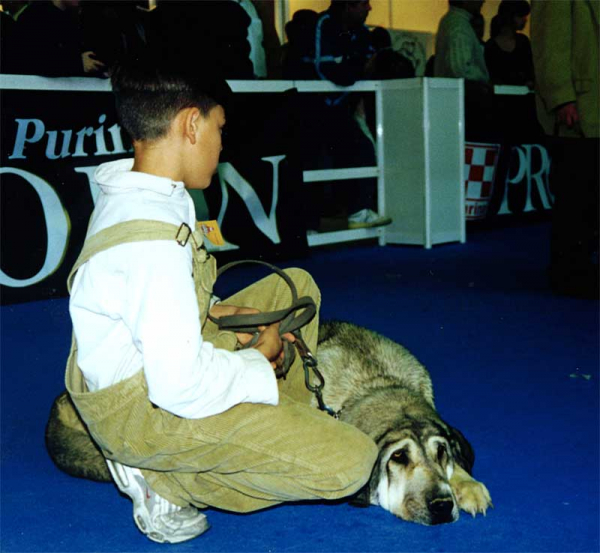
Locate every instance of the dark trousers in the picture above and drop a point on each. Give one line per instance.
(332, 139)
(574, 179)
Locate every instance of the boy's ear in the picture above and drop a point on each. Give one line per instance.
(191, 123)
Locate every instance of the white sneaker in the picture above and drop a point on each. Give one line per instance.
(157, 518)
(367, 218)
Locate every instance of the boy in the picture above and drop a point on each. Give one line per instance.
(184, 420)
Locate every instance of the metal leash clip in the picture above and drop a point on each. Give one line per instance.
(300, 313)
(309, 363)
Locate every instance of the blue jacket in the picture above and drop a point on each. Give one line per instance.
(338, 56)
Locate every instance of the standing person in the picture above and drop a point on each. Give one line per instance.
(333, 138)
(508, 52)
(564, 38)
(187, 419)
(50, 41)
(459, 55)
(510, 62)
(458, 51)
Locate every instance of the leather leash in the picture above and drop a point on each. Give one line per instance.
(301, 311)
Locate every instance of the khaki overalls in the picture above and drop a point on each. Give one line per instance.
(253, 455)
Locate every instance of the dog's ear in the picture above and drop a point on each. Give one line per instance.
(461, 449)
(361, 498)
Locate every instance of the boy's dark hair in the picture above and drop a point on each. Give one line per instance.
(150, 91)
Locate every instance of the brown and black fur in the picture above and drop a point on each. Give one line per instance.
(70, 445)
(424, 466)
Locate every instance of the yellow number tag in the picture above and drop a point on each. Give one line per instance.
(211, 230)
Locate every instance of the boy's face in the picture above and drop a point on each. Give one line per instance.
(205, 159)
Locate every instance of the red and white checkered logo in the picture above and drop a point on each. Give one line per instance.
(480, 170)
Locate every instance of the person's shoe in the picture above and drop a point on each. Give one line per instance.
(157, 518)
(367, 218)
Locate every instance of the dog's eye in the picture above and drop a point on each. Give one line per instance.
(441, 451)
(400, 456)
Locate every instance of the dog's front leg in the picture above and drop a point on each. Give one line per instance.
(472, 496)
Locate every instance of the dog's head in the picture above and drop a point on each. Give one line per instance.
(411, 477)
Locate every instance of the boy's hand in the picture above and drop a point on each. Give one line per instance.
(269, 342)
(223, 310)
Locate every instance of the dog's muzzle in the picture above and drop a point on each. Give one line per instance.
(441, 510)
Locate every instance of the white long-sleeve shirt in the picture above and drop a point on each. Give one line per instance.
(134, 306)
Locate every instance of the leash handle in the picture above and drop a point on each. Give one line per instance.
(291, 321)
(298, 314)
(289, 318)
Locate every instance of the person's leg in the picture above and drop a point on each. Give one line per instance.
(353, 148)
(256, 456)
(315, 137)
(574, 238)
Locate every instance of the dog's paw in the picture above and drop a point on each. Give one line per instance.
(473, 497)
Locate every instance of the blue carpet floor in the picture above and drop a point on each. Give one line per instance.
(514, 367)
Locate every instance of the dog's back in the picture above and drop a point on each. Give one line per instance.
(355, 360)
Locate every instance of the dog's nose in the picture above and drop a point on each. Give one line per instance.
(441, 510)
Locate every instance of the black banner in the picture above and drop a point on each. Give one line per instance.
(52, 142)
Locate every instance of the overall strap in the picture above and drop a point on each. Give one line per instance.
(137, 230)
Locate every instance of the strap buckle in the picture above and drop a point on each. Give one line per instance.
(183, 234)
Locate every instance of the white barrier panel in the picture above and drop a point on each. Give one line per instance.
(422, 153)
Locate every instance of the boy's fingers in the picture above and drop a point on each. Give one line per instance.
(244, 337)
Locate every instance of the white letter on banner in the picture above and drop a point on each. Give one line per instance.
(517, 178)
(115, 133)
(89, 172)
(57, 226)
(79, 147)
(51, 146)
(541, 177)
(223, 210)
(100, 142)
(22, 136)
(266, 224)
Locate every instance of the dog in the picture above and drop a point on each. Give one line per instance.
(422, 473)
